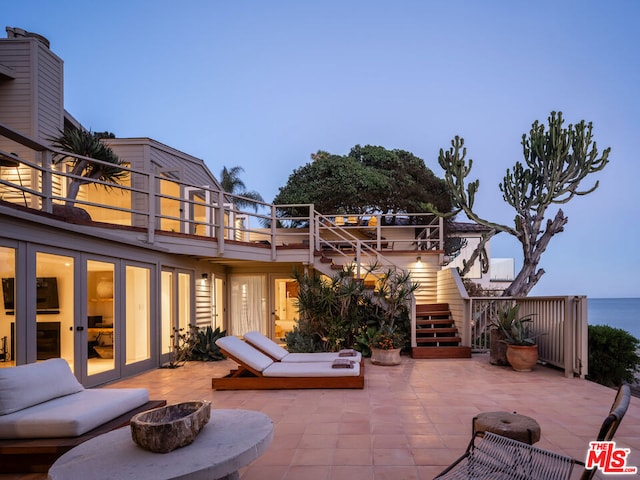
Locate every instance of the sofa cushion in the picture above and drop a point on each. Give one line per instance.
(265, 344)
(27, 385)
(244, 352)
(309, 369)
(72, 415)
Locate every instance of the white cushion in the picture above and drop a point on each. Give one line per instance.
(27, 385)
(310, 369)
(274, 350)
(318, 357)
(265, 344)
(72, 415)
(244, 352)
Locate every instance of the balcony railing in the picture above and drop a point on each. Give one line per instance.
(561, 321)
(157, 204)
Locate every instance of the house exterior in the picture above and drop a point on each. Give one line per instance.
(490, 274)
(164, 249)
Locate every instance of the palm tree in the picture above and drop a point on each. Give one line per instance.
(87, 144)
(231, 183)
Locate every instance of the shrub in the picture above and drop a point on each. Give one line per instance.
(203, 344)
(613, 357)
(343, 312)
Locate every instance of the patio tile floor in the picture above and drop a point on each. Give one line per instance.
(409, 422)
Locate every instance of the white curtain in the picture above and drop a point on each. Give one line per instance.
(248, 304)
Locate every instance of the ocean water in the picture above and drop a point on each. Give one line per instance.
(621, 313)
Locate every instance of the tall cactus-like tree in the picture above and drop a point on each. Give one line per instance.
(556, 161)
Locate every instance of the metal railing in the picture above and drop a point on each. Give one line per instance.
(159, 204)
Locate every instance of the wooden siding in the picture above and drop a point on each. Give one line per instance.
(49, 107)
(451, 290)
(32, 102)
(425, 274)
(203, 303)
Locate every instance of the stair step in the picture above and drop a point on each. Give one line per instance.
(438, 341)
(431, 307)
(437, 332)
(441, 352)
(434, 323)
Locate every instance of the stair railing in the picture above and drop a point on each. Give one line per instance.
(360, 247)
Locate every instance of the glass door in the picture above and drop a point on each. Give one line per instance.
(56, 333)
(138, 314)
(284, 311)
(8, 308)
(217, 307)
(101, 319)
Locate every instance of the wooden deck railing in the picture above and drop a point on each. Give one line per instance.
(156, 203)
(562, 319)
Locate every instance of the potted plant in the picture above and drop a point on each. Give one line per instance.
(386, 345)
(391, 301)
(522, 348)
(497, 345)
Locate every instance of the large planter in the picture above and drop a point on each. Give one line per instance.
(385, 357)
(522, 358)
(497, 348)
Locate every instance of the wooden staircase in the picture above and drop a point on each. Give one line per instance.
(436, 333)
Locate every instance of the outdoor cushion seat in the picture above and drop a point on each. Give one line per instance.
(279, 354)
(257, 371)
(44, 399)
(71, 415)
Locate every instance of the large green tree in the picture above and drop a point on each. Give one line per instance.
(369, 179)
(556, 161)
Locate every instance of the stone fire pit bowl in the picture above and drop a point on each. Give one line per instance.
(166, 428)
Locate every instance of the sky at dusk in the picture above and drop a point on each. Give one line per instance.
(264, 84)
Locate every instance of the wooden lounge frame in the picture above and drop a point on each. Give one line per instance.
(248, 378)
(36, 455)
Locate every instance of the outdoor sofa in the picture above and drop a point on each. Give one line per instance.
(45, 411)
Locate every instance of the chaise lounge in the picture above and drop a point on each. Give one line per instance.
(279, 354)
(45, 411)
(256, 371)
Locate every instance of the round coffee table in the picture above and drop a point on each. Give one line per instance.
(231, 439)
(512, 425)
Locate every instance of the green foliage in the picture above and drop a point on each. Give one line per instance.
(341, 312)
(181, 346)
(517, 330)
(87, 144)
(329, 315)
(387, 338)
(232, 183)
(369, 179)
(204, 346)
(613, 355)
(364, 340)
(196, 344)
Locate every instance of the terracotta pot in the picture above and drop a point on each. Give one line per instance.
(522, 358)
(385, 357)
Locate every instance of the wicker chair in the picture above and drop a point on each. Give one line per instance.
(494, 457)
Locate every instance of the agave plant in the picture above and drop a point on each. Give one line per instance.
(517, 330)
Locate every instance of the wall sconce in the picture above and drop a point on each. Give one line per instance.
(419, 259)
(205, 276)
